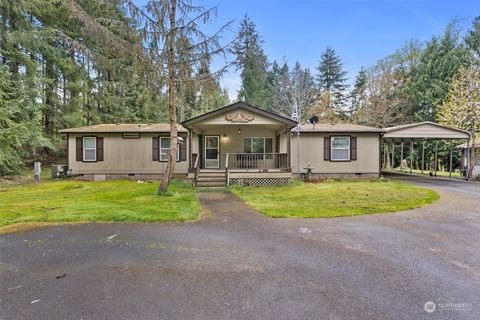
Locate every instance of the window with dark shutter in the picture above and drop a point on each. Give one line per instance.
(99, 149)
(326, 148)
(155, 149)
(79, 149)
(353, 148)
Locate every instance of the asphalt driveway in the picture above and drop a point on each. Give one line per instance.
(237, 264)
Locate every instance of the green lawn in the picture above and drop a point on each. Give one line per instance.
(79, 201)
(335, 198)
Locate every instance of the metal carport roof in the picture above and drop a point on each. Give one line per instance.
(425, 130)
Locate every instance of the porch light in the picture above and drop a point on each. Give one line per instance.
(239, 131)
(224, 137)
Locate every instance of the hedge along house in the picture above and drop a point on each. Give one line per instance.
(237, 144)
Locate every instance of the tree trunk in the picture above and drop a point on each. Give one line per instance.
(172, 110)
(50, 92)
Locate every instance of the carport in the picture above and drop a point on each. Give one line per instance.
(419, 132)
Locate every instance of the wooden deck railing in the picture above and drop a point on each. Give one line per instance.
(258, 161)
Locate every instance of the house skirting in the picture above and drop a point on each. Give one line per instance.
(132, 176)
(322, 176)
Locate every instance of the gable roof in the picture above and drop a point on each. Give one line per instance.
(124, 127)
(240, 105)
(425, 130)
(337, 127)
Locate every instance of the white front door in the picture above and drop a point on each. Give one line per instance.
(212, 152)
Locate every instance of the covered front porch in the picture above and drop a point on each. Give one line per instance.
(247, 143)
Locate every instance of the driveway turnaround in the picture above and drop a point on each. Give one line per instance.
(234, 263)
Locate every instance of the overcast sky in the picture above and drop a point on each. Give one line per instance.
(361, 31)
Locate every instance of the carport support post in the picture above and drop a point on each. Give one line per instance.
(435, 163)
(450, 164)
(401, 156)
(411, 156)
(393, 154)
(423, 155)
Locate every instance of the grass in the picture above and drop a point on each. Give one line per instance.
(79, 201)
(335, 198)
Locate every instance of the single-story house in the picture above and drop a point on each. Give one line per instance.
(236, 144)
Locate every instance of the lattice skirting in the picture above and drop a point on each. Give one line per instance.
(190, 181)
(257, 182)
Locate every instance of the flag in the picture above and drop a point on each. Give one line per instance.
(295, 118)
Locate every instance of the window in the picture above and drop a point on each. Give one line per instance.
(257, 145)
(89, 149)
(340, 148)
(165, 148)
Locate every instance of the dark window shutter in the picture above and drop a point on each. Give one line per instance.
(183, 150)
(99, 149)
(326, 148)
(155, 149)
(79, 148)
(353, 148)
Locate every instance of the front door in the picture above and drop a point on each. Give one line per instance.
(212, 152)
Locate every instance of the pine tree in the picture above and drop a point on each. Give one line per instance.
(461, 107)
(294, 88)
(430, 79)
(256, 86)
(358, 96)
(472, 39)
(331, 79)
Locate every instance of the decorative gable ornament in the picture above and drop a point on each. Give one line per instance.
(239, 117)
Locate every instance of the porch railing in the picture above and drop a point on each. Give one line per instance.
(196, 169)
(257, 161)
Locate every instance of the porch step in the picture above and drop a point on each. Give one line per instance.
(212, 174)
(211, 189)
(221, 183)
(202, 178)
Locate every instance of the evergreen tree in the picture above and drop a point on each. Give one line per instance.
(256, 86)
(21, 136)
(358, 97)
(331, 79)
(294, 88)
(472, 38)
(430, 79)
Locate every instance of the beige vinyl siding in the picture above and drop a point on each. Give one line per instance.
(311, 150)
(122, 156)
